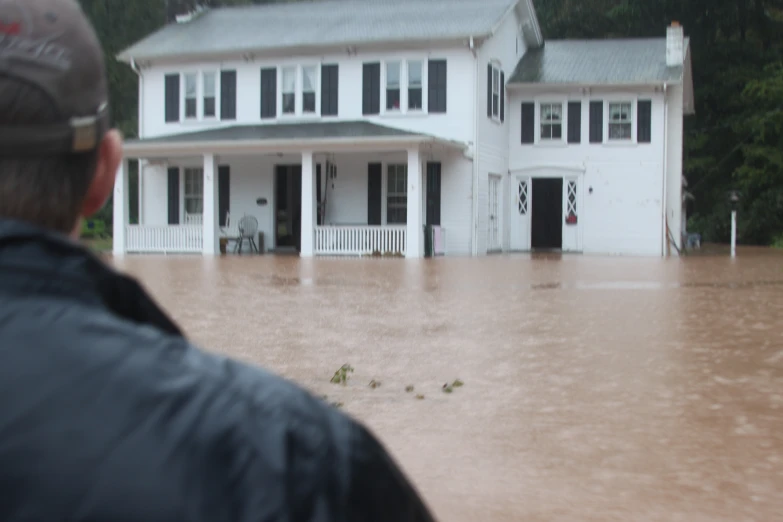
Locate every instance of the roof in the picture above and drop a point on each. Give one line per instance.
(598, 62)
(280, 137)
(317, 23)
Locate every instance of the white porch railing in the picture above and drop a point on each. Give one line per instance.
(193, 219)
(167, 239)
(359, 240)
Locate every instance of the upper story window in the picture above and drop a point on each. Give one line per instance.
(551, 121)
(495, 92)
(288, 89)
(415, 85)
(309, 78)
(392, 86)
(620, 121)
(210, 94)
(191, 95)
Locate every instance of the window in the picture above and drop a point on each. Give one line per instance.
(397, 195)
(191, 93)
(415, 85)
(289, 90)
(393, 86)
(309, 81)
(551, 121)
(194, 192)
(620, 121)
(495, 93)
(210, 94)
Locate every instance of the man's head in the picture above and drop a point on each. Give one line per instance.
(58, 157)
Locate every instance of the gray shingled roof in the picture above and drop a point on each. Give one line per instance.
(282, 131)
(321, 23)
(597, 62)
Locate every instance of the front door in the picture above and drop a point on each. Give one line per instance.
(288, 206)
(547, 214)
(493, 234)
(520, 214)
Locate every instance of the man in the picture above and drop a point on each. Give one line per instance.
(107, 413)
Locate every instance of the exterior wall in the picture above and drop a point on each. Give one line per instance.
(623, 214)
(455, 124)
(505, 48)
(674, 154)
(252, 177)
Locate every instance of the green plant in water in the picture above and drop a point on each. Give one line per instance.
(341, 375)
(457, 383)
(447, 388)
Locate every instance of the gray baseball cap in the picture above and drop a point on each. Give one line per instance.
(52, 45)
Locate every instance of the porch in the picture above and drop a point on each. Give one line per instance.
(355, 189)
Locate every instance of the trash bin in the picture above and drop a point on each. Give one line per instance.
(260, 242)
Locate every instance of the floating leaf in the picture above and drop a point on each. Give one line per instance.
(374, 384)
(341, 375)
(409, 388)
(458, 383)
(447, 388)
(420, 397)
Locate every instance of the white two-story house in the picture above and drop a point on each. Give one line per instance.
(352, 127)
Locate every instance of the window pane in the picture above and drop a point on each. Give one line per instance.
(289, 79)
(190, 85)
(620, 112)
(495, 80)
(209, 84)
(308, 79)
(414, 98)
(308, 102)
(209, 106)
(289, 103)
(414, 74)
(393, 74)
(392, 99)
(190, 107)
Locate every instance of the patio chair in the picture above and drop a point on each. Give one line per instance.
(246, 231)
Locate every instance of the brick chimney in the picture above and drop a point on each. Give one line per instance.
(675, 45)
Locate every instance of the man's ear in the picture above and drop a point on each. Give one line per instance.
(102, 186)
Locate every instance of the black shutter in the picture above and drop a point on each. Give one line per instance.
(371, 88)
(374, 189)
(644, 121)
(596, 122)
(224, 193)
(574, 122)
(173, 195)
(228, 95)
(489, 90)
(268, 92)
(318, 191)
(172, 97)
(329, 90)
(528, 122)
(433, 193)
(502, 96)
(436, 78)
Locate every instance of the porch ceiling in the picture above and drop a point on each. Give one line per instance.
(284, 137)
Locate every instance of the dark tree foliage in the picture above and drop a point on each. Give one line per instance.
(735, 140)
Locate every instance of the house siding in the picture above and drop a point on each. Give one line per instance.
(505, 47)
(623, 214)
(674, 167)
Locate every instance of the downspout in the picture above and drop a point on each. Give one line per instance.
(474, 199)
(141, 135)
(664, 225)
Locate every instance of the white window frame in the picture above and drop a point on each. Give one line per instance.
(632, 121)
(316, 88)
(386, 194)
(496, 89)
(562, 122)
(199, 175)
(199, 75)
(196, 74)
(404, 85)
(400, 85)
(203, 98)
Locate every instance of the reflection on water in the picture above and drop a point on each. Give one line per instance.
(596, 389)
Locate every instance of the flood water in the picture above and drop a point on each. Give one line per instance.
(596, 389)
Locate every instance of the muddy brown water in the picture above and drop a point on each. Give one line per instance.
(596, 389)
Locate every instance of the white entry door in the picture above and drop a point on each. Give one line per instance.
(572, 225)
(520, 213)
(493, 234)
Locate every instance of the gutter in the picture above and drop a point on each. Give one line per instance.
(474, 199)
(664, 226)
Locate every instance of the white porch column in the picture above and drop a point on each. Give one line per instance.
(120, 204)
(210, 221)
(308, 205)
(414, 237)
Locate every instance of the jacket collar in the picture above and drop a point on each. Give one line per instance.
(38, 261)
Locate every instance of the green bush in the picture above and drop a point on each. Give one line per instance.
(93, 228)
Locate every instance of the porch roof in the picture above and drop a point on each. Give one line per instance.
(284, 137)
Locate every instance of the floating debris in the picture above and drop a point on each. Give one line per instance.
(337, 404)
(457, 383)
(409, 388)
(341, 375)
(447, 388)
(374, 384)
(420, 397)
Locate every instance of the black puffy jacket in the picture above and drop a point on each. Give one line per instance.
(107, 413)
